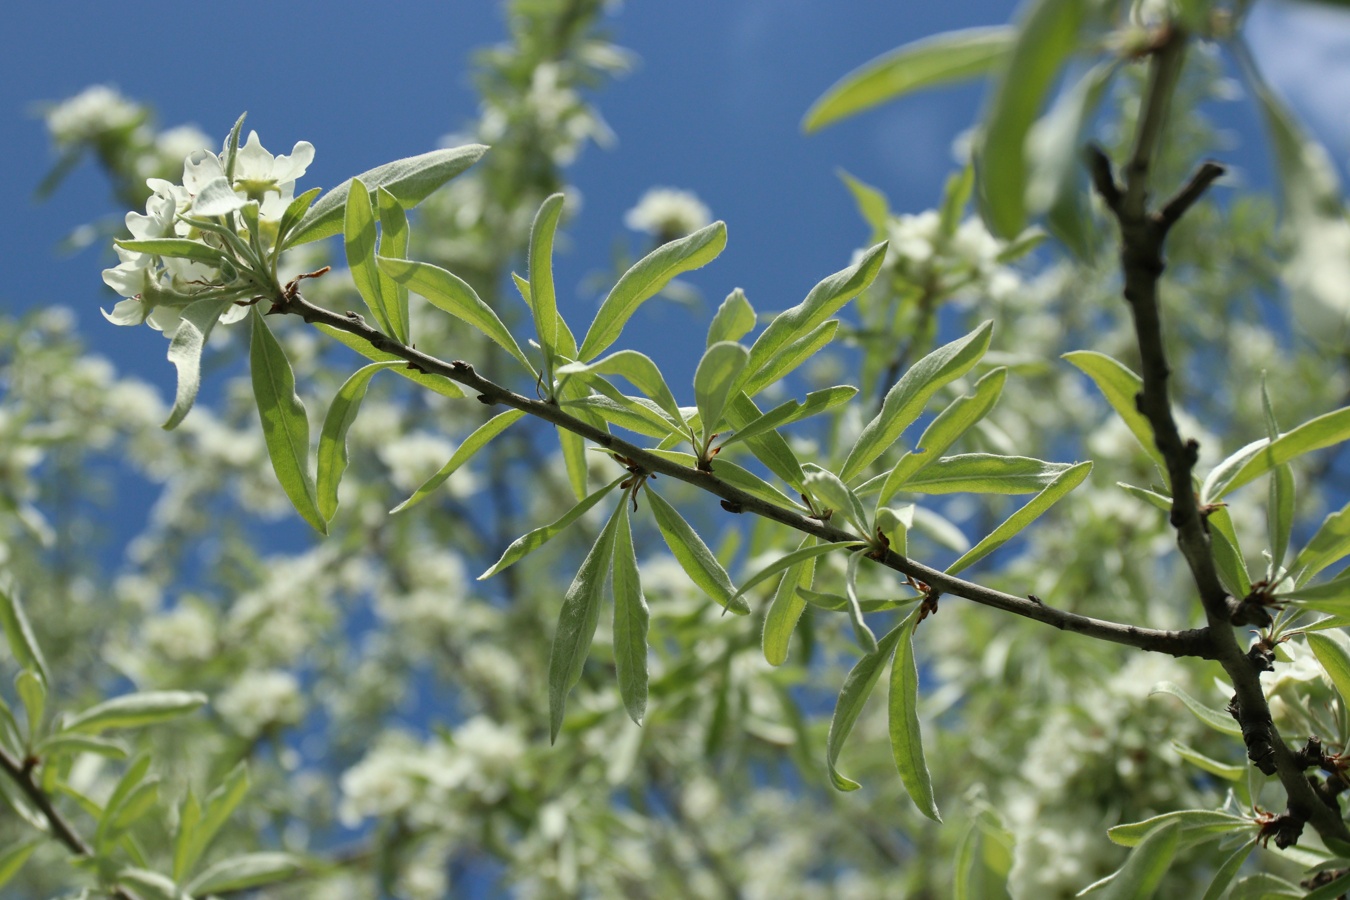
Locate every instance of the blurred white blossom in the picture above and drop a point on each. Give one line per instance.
(668, 213)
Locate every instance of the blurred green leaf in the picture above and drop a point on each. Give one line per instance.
(906, 739)
(1120, 386)
(333, 436)
(535, 539)
(1226, 771)
(872, 204)
(19, 632)
(648, 277)
(1187, 821)
(149, 884)
(285, 425)
(32, 691)
(942, 59)
(1219, 720)
(543, 298)
(249, 870)
(135, 710)
(12, 859)
(631, 619)
(1259, 457)
(185, 352)
(852, 696)
(698, 562)
(198, 829)
(1146, 865)
(409, 180)
(577, 620)
(786, 607)
(1065, 482)
(466, 451)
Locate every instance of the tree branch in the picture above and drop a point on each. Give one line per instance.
(1194, 642)
(1143, 234)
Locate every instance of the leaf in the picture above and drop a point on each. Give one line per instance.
(577, 619)
(1146, 865)
(333, 436)
(358, 240)
(854, 693)
(836, 603)
(1119, 385)
(465, 452)
(734, 319)
(1228, 870)
(791, 559)
(210, 815)
(791, 411)
(1187, 821)
(284, 423)
(824, 300)
(906, 400)
(639, 369)
(32, 691)
(437, 383)
(1332, 597)
(1220, 721)
(248, 870)
(409, 180)
(1229, 562)
(1226, 771)
(148, 883)
(1046, 37)
(769, 447)
(1330, 543)
(176, 248)
(1152, 498)
(56, 746)
(535, 539)
(864, 636)
(945, 430)
(630, 622)
(185, 352)
(785, 609)
(826, 487)
(23, 643)
(135, 710)
(1335, 660)
(872, 204)
(906, 739)
(648, 276)
(717, 371)
(1065, 482)
(291, 217)
(12, 860)
(394, 243)
(737, 477)
(449, 292)
(984, 473)
(943, 59)
(1259, 457)
(543, 299)
(698, 562)
(791, 356)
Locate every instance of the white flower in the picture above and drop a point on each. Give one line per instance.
(668, 213)
(912, 237)
(259, 699)
(415, 457)
(186, 634)
(91, 113)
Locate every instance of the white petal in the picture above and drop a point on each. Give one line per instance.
(253, 163)
(289, 168)
(216, 198)
(128, 312)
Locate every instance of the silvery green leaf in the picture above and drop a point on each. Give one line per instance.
(734, 319)
(185, 352)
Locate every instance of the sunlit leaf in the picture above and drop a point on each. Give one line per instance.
(1228, 871)
(826, 487)
(394, 243)
(1330, 543)
(535, 539)
(1229, 562)
(630, 622)
(943, 59)
(984, 473)
(1146, 865)
(135, 710)
(358, 240)
(863, 634)
(639, 369)
(717, 371)
(23, 643)
(734, 319)
(852, 696)
(1187, 821)
(791, 356)
(543, 297)
(1259, 457)
(785, 609)
(211, 814)
(333, 436)
(698, 562)
(176, 248)
(1219, 720)
(906, 739)
(285, 425)
(250, 870)
(1065, 482)
(466, 451)
(436, 383)
(1120, 387)
(769, 447)
(789, 560)
(185, 352)
(1335, 660)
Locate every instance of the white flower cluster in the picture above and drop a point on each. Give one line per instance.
(157, 287)
(668, 213)
(968, 258)
(261, 698)
(90, 114)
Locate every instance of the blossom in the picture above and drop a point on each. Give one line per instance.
(90, 114)
(259, 699)
(668, 213)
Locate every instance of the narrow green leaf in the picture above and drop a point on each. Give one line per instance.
(465, 452)
(126, 785)
(248, 870)
(698, 562)
(535, 539)
(284, 422)
(1187, 821)
(826, 487)
(1331, 597)
(942, 59)
(1335, 660)
(945, 430)
(791, 411)
(358, 239)
(824, 300)
(1229, 562)
(630, 622)
(133, 807)
(790, 560)
(648, 277)
(854, 693)
(1146, 865)
(1259, 457)
(577, 619)
(768, 447)
(793, 355)
(176, 248)
(1046, 37)
(1330, 543)
(984, 473)
(409, 180)
(872, 204)
(1152, 498)
(436, 383)
(185, 352)
(861, 633)
(838, 603)
(1226, 771)
(785, 609)
(32, 691)
(1228, 871)
(734, 319)
(1069, 479)
(292, 216)
(56, 746)
(149, 884)
(1119, 385)
(394, 243)
(1217, 719)
(215, 811)
(1331, 890)
(639, 369)
(135, 710)
(333, 436)
(189, 820)
(906, 739)
(543, 298)
(23, 643)
(906, 400)
(717, 371)
(736, 476)
(448, 292)
(572, 444)
(12, 860)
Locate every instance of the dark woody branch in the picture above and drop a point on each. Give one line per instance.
(1195, 642)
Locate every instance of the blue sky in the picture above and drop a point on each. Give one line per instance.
(713, 106)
